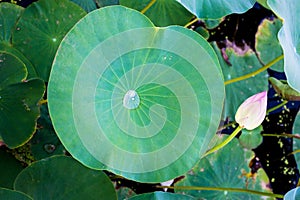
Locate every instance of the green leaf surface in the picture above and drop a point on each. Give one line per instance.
(60, 178)
(8, 49)
(161, 196)
(18, 101)
(12, 70)
(267, 45)
(293, 194)
(132, 100)
(162, 12)
(215, 9)
(251, 139)
(7, 194)
(103, 3)
(45, 142)
(284, 90)
(42, 27)
(263, 3)
(9, 169)
(242, 62)
(289, 38)
(87, 5)
(125, 193)
(9, 14)
(225, 168)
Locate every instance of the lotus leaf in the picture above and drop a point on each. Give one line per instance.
(132, 101)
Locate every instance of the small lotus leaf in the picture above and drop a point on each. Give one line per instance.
(9, 169)
(226, 168)
(9, 14)
(42, 27)
(19, 108)
(238, 63)
(267, 44)
(61, 177)
(251, 139)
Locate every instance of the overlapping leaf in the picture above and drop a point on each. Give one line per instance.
(162, 12)
(19, 108)
(226, 168)
(41, 28)
(48, 179)
(215, 9)
(289, 38)
(267, 44)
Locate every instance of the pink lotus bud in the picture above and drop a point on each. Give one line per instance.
(252, 112)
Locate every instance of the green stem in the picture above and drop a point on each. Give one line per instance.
(191, 22)
(222, 144)
(281, 135)
(43, 101)
(148, 6)
(294, 152)
(278, 106)
(224, 189)
(255, 72)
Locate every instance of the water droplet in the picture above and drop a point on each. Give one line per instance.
(131, 100)
(54, 39)
(225, 192)
(49, 148)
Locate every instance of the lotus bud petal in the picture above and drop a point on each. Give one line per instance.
(252, 111)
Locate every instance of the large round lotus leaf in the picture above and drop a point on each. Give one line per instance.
(161, 196)
(267, 44)
(9, 169)
(214, 9)
(19, 108)
(162, 12)
(124, 96)
(9, 14)
(293, 194)
(60, 178)
(13, 195)
(41, 28)
(226, 168)
(289, 38)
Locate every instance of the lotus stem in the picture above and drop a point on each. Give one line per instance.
(278, 106)
(148, 6)
(255, 72)
(44, 101)
(226, 141)
(191, 22)
(241, 190)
